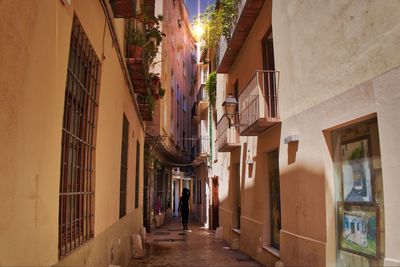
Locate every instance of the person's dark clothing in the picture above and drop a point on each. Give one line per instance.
(184, 207)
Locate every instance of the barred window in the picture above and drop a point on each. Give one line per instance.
(124, 167)
(137, 174)
(76, 202)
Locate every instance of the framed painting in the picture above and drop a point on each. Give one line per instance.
(359, 229)
(356, 171)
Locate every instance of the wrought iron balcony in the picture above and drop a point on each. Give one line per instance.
(227, 137)
(202, 147)
(258, 103)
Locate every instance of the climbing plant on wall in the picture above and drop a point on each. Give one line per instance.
(228, 16)
(211, 87)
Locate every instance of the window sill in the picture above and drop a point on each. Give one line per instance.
(236, 230)
(272, 250)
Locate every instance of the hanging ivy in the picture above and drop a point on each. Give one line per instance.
(219, 22)
(211, 87)
(228, 16)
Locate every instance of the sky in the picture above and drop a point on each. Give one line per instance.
(192, 6)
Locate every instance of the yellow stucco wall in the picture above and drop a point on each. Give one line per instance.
(34, 44)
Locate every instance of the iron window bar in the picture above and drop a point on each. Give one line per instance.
(76, 198)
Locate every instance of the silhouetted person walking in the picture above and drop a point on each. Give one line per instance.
(184, 207)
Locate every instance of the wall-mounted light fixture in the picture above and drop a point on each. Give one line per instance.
(229, 105)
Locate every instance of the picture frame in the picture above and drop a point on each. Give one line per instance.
(357, 184)
(359, 229)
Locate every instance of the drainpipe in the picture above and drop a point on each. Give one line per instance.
(121, 60)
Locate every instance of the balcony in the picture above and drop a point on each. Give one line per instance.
(202, 147)
(123, 8)
(258, 103)
(227, 138)
(202, 100)
(248, 12)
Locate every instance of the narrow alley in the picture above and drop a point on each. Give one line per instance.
(170, 246)
(273, 125)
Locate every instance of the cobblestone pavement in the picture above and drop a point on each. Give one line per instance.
(169, 246)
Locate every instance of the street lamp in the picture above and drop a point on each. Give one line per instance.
(229, 105)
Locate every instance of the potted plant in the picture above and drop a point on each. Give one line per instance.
(154, 80)
(136, 42)
(154, 34)
(152, 21)
(161, 93)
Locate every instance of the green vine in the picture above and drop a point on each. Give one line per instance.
(211, 87)
(219, 22)
(229, 13)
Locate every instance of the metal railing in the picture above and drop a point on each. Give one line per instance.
(226, 135)
(259, 99)
(202, 145)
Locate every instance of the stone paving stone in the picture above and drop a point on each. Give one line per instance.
(195, 248)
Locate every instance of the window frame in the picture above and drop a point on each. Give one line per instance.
(78, 143)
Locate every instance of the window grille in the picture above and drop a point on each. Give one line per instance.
(124, 167)
(137, 174)
(76, 201)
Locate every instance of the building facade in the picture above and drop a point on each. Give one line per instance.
(72, 134)
(169, 135)
(307, 168)
(201, 152)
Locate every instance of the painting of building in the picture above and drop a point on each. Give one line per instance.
(359, 230)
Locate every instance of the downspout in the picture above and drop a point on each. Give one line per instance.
(121, 60)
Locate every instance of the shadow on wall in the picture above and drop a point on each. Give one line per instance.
(303, 234)
(303, 213)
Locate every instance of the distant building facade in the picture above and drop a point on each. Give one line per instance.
(169, 135)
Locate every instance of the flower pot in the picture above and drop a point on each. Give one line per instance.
(135, 51)
(156, 82)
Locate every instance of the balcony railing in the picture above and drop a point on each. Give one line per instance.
(227, 138)
(202, 147)
(258, 103)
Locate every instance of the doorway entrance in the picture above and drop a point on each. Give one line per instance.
(176, 194)
(215, 203)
